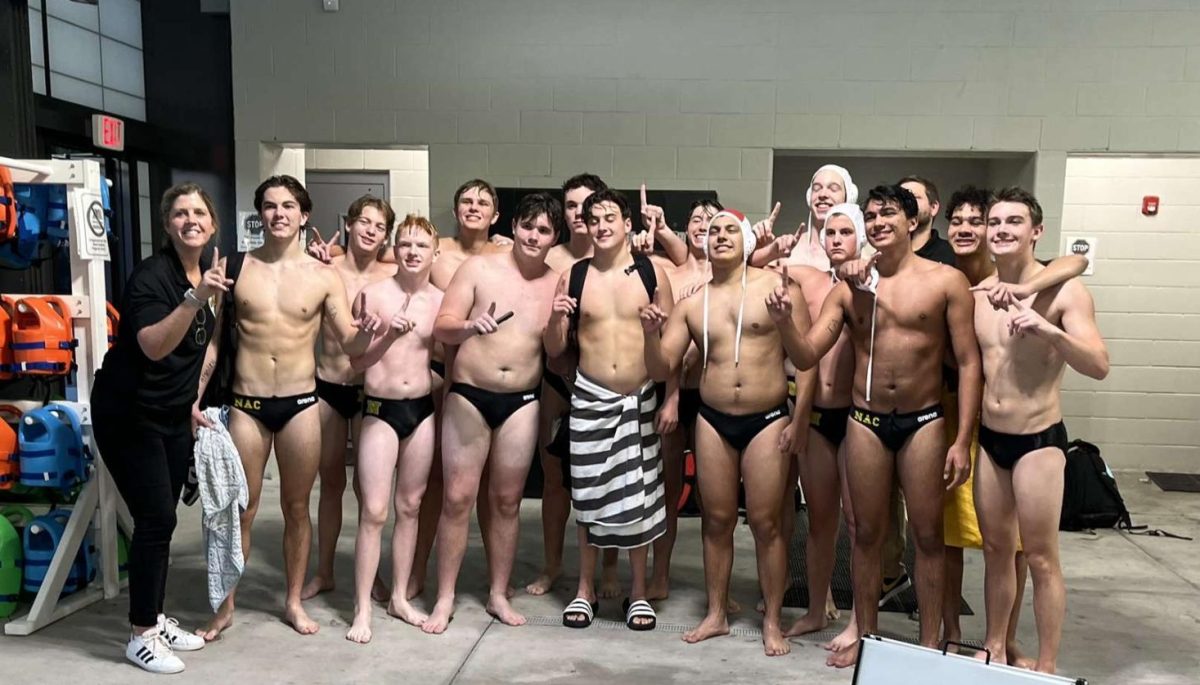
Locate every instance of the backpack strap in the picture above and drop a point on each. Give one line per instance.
(645, 270)
(579, 271)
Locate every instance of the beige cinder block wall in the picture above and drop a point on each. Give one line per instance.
(699, 94)
(696, 96)
(1146, 282)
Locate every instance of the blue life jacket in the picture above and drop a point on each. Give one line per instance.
(51, 447)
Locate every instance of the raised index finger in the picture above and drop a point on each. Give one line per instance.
(216, 256)
(360, 302)
(774, 213)
(491, 309)
(784, 274)
(644, 203)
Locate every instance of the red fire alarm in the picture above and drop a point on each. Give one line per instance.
(1150, 205)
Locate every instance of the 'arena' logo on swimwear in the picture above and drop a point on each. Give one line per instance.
(246, 403)
(927, 417)
(773, 415)
(306, 400)
(528, 398)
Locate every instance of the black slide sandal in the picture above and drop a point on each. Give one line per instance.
(640, 609)
(579, 613)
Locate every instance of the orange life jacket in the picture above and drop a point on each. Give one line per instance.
(6, 352)
(10, 471)
(43, 336)
(114, 319)
(8, 205)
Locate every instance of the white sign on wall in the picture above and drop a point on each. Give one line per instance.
(91, 233)
(1082, 245)
(249, 231)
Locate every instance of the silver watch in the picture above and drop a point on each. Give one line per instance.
(189, 296)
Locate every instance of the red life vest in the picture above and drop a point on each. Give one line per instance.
(7, 369)
(10, 471)
(8, 205)
(43, 336)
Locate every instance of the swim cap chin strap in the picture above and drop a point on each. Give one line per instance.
(748, 243)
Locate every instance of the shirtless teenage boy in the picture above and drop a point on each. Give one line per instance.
(495, 313)
(613, 399)
(743, 322)
(1018, 489)
(553, 445)
(369, 222)
(475, 211)
(900, 333)
(279, 302)
(398, 423)
(966, 213)
(822, 463)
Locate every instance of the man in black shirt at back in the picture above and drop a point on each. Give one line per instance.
(925, 239)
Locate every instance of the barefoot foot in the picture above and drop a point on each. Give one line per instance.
(316, 586)
(808, 623)
(298, 619)
(440, 618)
(713, 625)
(220, 621)
(996, 653)
(501, 610)
(542, 584)
(1017, 658)
(360, 629)
(774, 643)
(844, 639)
(844, 658)
(399, 608)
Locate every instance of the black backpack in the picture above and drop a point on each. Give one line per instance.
(1090, 495)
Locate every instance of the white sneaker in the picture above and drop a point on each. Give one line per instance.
(179, 640)
(151, 651)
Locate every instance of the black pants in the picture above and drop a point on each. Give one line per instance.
(149, 469)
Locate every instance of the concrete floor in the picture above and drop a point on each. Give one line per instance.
(1133, 617)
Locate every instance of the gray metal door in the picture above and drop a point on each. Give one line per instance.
(333, 191)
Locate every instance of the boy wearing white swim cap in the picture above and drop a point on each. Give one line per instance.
(743, 323)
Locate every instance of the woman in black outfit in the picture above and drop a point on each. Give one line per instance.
(144, 407)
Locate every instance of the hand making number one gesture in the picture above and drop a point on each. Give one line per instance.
(764, 231)
(1028, 320)
(779, 302)
(401, 324)
(653, 219)
(488, 323)
(364, 320)
(653, 317)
